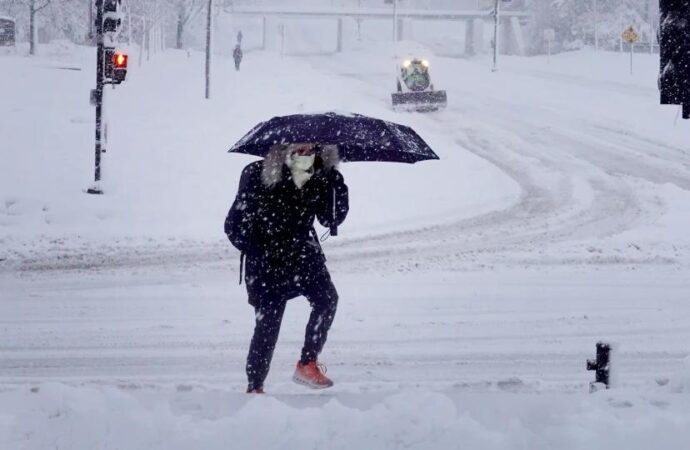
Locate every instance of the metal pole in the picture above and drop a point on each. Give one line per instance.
(395, 20)
(209, 24)
(596, 25)
(497, 12)
(95, 189)
(632, 47)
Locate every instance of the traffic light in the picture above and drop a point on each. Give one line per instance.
(112, 18)
(674, 53)
(115, 66)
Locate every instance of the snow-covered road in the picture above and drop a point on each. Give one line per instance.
(535, 188)
(603, 172)
(475, 331)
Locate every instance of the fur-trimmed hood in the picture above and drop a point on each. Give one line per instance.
(272, 172)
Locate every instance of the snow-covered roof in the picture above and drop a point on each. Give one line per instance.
(7, 18)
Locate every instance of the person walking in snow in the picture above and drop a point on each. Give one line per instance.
(271, 222)
(237, 56)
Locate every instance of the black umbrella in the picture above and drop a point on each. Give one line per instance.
(358, 137)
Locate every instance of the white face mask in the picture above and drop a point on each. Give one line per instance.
(300, 162)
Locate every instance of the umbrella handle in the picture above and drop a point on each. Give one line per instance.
(333, 227)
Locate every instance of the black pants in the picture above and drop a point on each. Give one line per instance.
(237, 64)
(323, 299)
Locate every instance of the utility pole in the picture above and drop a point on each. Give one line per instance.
(497, 23)
(209, 24)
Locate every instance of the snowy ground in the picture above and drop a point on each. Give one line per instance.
(473, 288)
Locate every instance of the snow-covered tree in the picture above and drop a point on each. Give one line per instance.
(581, 22)
(185, 10)
(54, 19)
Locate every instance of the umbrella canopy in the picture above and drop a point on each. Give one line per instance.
(358, 137)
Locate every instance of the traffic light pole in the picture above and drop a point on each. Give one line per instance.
(95, 189)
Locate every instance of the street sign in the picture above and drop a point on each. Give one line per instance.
(630, 35)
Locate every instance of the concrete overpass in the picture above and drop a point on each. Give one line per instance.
(512, 40)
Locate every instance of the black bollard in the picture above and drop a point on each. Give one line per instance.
(601, 366)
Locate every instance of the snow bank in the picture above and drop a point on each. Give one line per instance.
(167, 418)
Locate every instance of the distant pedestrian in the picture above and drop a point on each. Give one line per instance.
(237, 56)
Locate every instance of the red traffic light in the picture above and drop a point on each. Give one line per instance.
(120, 60)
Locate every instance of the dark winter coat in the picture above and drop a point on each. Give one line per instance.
(237, 54)
(272, 223)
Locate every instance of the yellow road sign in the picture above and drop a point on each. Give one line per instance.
(630, 35)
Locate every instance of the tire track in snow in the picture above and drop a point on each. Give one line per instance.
(553, 166)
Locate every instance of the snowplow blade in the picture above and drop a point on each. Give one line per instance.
(419, 101)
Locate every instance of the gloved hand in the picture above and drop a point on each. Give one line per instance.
(333, 177)
(328, 178)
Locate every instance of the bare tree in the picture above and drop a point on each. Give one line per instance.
(34, 8)
(186, 11)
